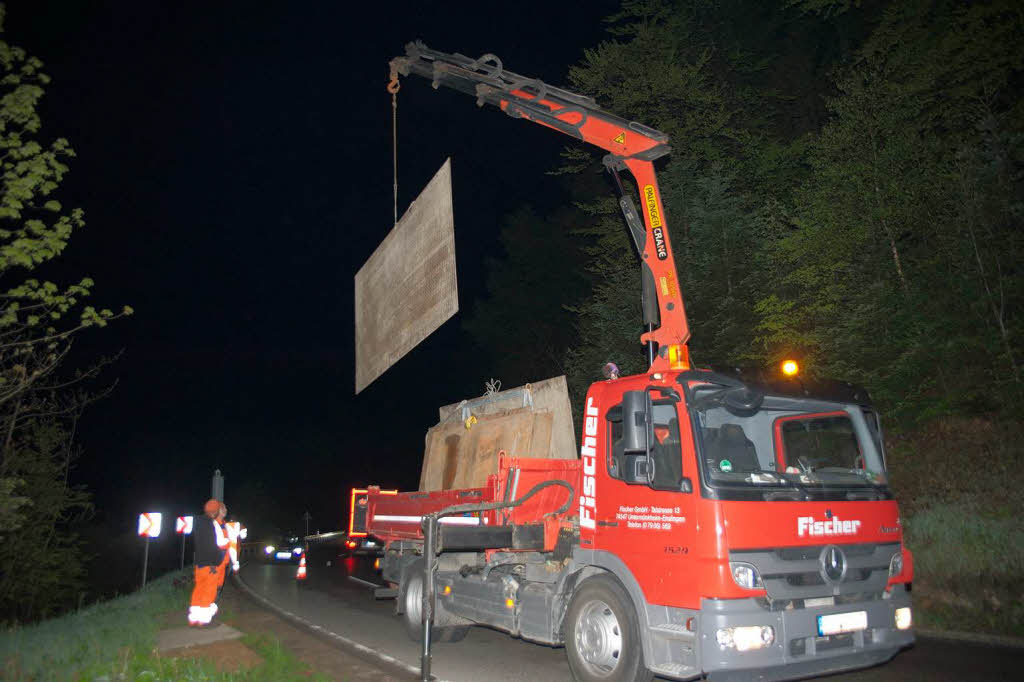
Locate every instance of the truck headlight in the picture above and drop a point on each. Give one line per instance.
(745, 575)
(903, 619)
(896, 564)
(746, 638)
(269, 549)
(297, 551)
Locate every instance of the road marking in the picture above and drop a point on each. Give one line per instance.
(362, 648)
(364, 582)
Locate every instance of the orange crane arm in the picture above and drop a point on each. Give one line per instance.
(630, 145)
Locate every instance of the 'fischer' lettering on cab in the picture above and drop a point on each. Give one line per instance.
(588, 453)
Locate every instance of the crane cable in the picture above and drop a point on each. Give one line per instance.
(393, 88)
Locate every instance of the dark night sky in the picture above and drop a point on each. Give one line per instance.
(234, 163)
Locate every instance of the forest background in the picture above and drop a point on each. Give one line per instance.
(845, 189)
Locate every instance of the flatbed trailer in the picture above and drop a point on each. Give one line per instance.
(533, 524)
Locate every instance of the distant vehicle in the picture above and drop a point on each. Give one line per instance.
(358, 542)
(284, 550)
(361, 546)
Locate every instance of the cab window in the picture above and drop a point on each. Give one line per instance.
(666, 452)
(822, 441)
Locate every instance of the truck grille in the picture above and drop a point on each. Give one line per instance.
(792, 574)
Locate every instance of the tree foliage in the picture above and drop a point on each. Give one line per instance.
(904, 249)
(526, 325)
(40, 557)
(845, 186)
(42, 563)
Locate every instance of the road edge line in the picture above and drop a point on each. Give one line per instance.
(370, 652)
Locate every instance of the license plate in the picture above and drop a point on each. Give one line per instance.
(284, 555)
(838, 623)
(819, 601)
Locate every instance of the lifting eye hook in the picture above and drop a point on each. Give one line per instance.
(393, 86)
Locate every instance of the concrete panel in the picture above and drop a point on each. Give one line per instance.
(457, 457)
(550, 394)
(534, 420)
(407, 288)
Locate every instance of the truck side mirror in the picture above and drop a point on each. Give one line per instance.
(637, 428)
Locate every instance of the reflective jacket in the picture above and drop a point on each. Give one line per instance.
(210, 541)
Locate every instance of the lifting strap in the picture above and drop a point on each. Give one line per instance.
(393, 88)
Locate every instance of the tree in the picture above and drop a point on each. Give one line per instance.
(657, 71)
(41, 562)
(525, 323)
(39, 320)
(902, 255)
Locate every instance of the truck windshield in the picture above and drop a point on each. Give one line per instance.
(787, 443)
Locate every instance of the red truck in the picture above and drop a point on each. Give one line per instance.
(717, 523)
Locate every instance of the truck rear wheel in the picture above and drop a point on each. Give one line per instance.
(412, 607)
(602, 637)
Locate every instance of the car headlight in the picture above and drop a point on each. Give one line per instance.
(746, 638)
(269, 549)
(745, 575)
(297, 550)
(896, 564)
(903, 619)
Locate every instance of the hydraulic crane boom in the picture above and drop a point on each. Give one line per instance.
(631, 146)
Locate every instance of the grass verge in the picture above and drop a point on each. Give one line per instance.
(958, 482)
(116, 640)
(968, 565)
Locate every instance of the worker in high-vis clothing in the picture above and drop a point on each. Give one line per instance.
(211, 542)
(232, 530)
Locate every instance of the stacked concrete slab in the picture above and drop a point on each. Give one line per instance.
(534, 420)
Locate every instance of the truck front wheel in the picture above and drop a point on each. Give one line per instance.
(412, 610)
(602, 637)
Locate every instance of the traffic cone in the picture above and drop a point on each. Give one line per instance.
(301, 573)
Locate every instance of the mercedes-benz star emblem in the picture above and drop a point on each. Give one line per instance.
(833, 564)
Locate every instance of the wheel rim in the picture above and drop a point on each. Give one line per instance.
(414, 601)
(599, 637)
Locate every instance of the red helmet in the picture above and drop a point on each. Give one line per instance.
(211, 507)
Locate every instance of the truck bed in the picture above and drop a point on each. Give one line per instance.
(531, 525)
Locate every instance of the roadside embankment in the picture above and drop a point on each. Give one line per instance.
(118, 640)
(958, 481)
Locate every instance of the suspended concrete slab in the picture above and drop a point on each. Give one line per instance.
(407, 288)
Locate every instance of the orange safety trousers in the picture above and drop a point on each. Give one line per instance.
(230, 557)
(222, 571)
(204, 594)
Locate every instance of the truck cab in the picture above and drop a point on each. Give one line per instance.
(749, 521)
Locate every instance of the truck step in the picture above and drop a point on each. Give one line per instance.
(672, 631)
(385, 593)
(677, 670)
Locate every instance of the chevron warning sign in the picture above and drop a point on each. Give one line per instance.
(183, 526)
(149, 524)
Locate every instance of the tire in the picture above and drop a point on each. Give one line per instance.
(412, 610)
(602, 636)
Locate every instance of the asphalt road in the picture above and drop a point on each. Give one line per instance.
(332, 600)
